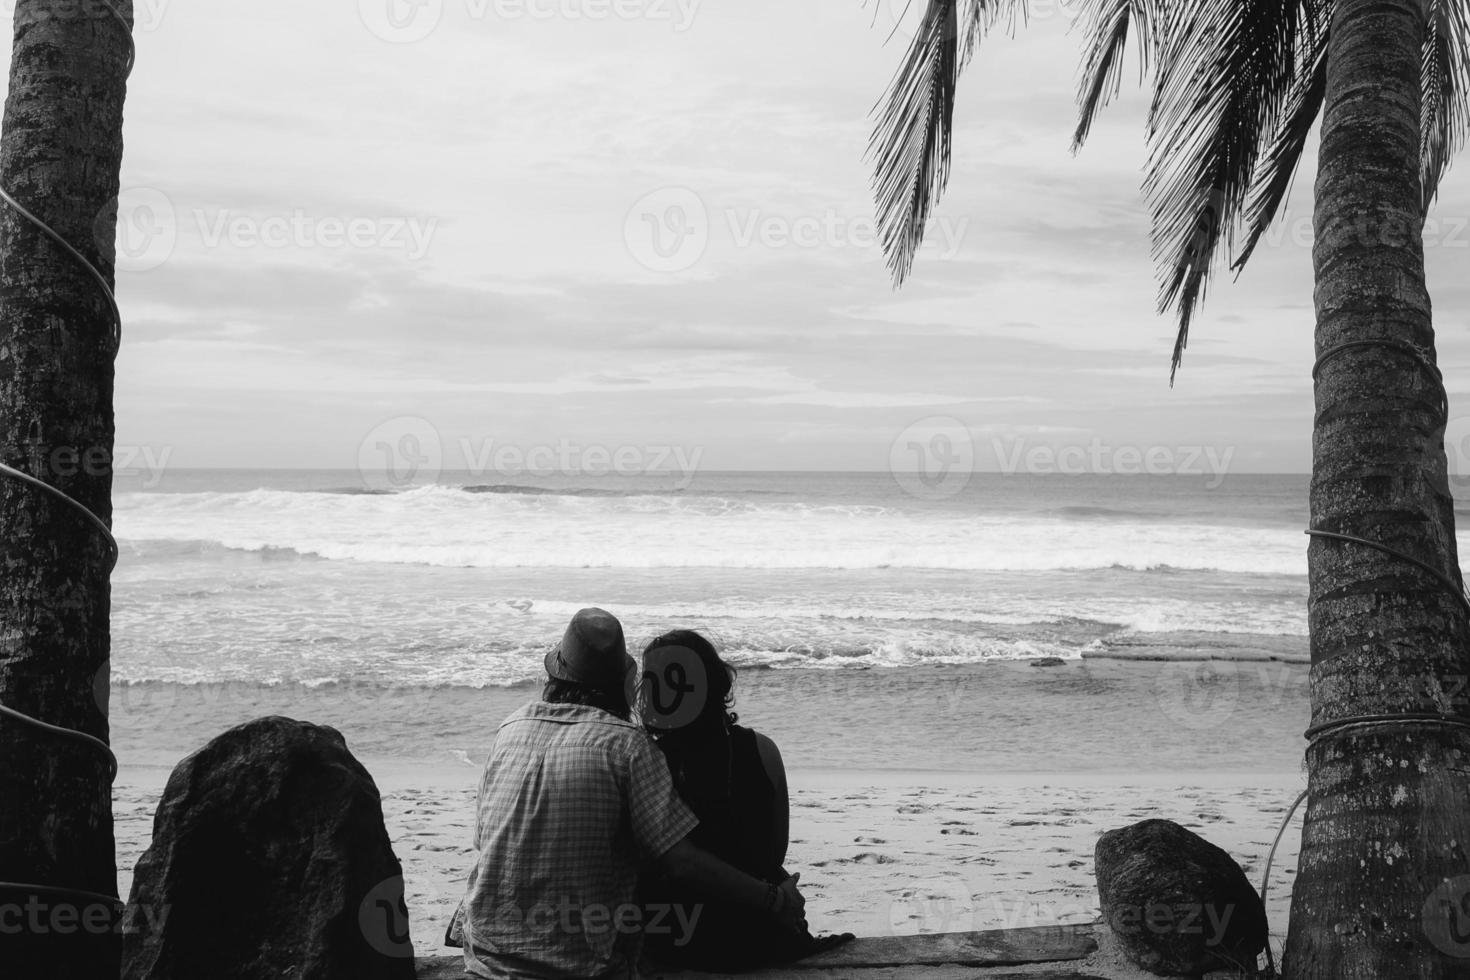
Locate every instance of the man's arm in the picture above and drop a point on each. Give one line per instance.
(708, 877)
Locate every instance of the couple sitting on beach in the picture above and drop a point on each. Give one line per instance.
(598, 837)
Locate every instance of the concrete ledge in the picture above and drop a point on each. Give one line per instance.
(438, 968)
(946, 956)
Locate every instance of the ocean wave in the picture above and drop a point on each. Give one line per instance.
(1087, 512)
(448, 670)
(350, 491)
(342, 683)
(532, 490)
(615, 557)
(323, 633)
(445, 527)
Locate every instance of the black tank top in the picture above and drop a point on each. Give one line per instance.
(739, 829)
(737, 826)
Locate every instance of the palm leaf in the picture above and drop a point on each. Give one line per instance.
(910, 143)
(912, 134)
(1277, 168)
(1107, 24)
(1226, 69)
(1446, 79)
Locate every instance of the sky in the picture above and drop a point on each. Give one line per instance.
(457, 226)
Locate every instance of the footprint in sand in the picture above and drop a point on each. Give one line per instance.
(868, 857)
(913, 808)
(958, 831)
(869, 840)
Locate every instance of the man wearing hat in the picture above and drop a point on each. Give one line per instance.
(574, 801)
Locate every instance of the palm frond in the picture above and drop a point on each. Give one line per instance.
(1107, 24)
(914, 121)
(1446, 80)
(911, 136)
(980, 17)
(1226, 68)
(1277, 168)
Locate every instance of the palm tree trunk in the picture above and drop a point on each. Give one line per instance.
(59, 156)
(1388, 818)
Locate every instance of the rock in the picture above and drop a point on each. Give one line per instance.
(1048, 662)
(269, 859)
(1178, 904)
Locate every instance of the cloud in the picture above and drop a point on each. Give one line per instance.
(527, 143)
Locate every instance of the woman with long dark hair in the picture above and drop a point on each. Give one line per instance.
(733, 778)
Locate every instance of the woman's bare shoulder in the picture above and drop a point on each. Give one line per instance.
(770, 755)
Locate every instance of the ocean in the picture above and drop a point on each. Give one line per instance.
(873, 627)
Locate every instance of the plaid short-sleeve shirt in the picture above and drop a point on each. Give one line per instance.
(572, 801)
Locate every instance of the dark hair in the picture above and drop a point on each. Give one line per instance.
(614, 701)
(721, 675)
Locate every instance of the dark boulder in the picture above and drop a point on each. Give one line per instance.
(1178, 904)
(269, 859)
(1048, 662)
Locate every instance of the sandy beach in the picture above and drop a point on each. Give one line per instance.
(880, 852)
